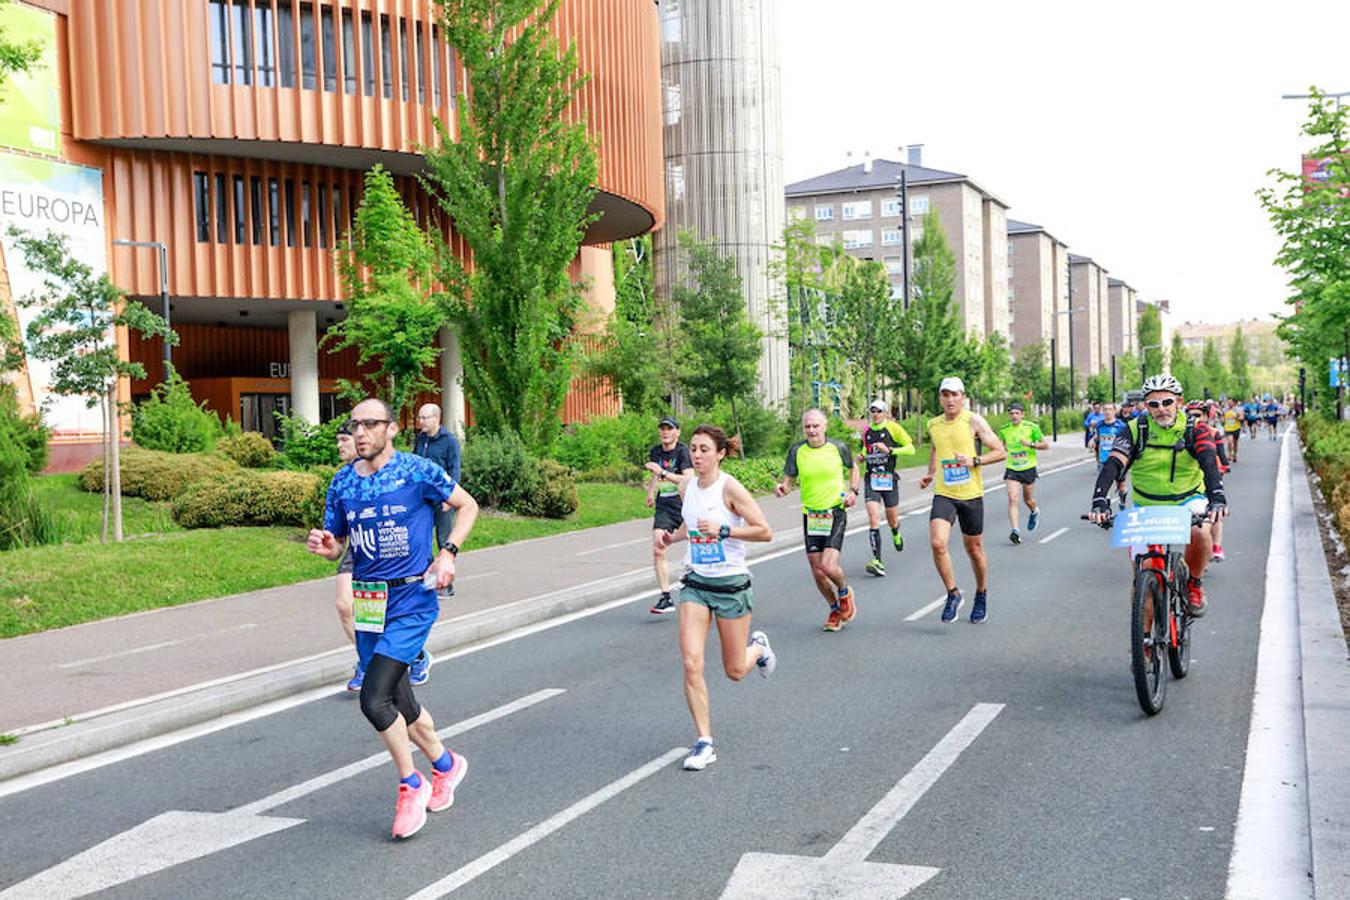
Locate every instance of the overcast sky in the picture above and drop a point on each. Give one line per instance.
(1135, 132)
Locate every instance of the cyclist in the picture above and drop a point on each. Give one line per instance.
(1172, 462)
(1107, 431)
(883, 441)
(829, 481)
(1022, 439)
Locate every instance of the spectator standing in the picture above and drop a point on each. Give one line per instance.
(437, 443)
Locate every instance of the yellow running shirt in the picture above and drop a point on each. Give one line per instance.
(950, 438)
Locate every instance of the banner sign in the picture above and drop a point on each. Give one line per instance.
(1140, 525)
(31, 100)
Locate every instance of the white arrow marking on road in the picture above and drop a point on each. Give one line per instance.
(176, 836)
(844, 871)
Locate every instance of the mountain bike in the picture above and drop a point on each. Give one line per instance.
(1160, 620)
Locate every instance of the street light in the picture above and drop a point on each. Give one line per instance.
(1143, 361)
(163, 287)
(1069, 312)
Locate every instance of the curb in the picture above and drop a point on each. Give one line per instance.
(86, 737)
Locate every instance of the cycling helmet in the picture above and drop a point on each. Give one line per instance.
(1162, 382)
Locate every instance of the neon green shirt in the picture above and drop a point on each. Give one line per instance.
(822, 472)
(1018, 439)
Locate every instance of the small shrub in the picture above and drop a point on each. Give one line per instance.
(317, 502)
(623, 473)
(156, 475)
(758, 473)
(249, 449)
(553, 492)
(305, 445)
(246, 498)
(496, 469)
(609, 441)
(26, 434)
(172, 421)
(24, 521)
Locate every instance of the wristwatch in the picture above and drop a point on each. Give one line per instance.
(724, 532)
(975, 461)
(452, 547)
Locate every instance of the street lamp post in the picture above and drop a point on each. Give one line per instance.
(1143, 361)
(1069, 312)
(163, 288)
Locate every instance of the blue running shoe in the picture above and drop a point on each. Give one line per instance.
(954, 600)
(358, 678)
(1033, 520)
(702, 754)
(978, 611)
(419, 673)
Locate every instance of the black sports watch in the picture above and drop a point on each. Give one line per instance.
(452, 547)
(724, 532)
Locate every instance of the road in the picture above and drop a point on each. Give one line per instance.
(1003, 760)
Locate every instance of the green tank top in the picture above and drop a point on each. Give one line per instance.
(1164, 472)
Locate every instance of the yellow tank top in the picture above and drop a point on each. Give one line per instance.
(950, 438)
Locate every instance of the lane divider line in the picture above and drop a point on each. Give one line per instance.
(920, 613)
(1050, 537)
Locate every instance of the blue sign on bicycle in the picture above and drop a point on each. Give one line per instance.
(1151, 525)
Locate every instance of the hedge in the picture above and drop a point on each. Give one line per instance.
(248, 497)
(1327, 449)
(250, 449)
(156, 475)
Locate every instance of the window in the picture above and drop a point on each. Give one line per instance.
(824, 240)
(895, 265)
(306, 225)
(329, 49)
(337, 214)
(675, 181)
(386, 59)
(201, 203)
(853, 240)
(368, 54)
(286, 43)
(255, 191)
(243, 43)
(265, 29)
(918, 206)
(308, 68)
(240, 224)
(671, 23)
(890, 209)
(290, 212)
(892, 237)
(861, 209)
(436, 59)
(421, 64)
(219, 13)
(323, 215)
(824, 213)
(403, 55)
(222, 211)
(351, 207)
(273, 211)
(672, 105)
(916, 232)
(348, 52)
(796, 213)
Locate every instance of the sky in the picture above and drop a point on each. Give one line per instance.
(1138, 133)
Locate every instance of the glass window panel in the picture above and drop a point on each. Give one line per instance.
(219, 14)
(421, 64)
(243, 42)
(368, 54)
(306, 223)
(436, 60)
(255, 190)
(329, 49)
(323, 214)
(240, 224)
(386, 59)
(264, 28)
(348, 52)
(222, 211)
(308, 70)
(286, 43)
(403, 55)
(201, 203)
(337, 214)
(290, 212)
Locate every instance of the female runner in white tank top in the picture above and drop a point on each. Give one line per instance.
(719, 516)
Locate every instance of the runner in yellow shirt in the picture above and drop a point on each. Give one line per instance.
(959, 493)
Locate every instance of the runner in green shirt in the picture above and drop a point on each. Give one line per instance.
(1022, 439)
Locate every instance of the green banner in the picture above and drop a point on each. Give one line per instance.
(30, 103)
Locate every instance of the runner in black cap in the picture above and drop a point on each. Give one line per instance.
(663, 495)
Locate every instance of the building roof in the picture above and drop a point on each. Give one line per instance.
(1015, 228)
(1076, 260)
(1117, 282)
(885, 173)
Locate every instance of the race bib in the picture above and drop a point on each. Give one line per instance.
(666, 489)
(705, 549)
(369, 600)
(883, 481)
(954, 473)
(819, 521)
(1018, 457)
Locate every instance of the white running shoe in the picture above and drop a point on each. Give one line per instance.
(768, 660)
(702, 754)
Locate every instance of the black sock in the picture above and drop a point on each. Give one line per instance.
(874, 538)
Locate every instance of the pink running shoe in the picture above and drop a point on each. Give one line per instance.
(443, 784)
(411, 812)
(1218, 553)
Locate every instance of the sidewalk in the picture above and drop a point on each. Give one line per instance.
(91, 687)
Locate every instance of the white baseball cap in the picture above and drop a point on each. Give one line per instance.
(878, 405)
(952, 383)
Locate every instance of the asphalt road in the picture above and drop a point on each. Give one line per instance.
(1063, 788)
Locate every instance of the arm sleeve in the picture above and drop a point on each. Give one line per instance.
(790, 464)
(1112, 471)
(903, 445)
(1207, 455)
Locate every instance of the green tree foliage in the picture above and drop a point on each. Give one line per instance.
(633, 354)
(720, 344)
(170, 420)
(1312, 219)
(23, 451)
(1237, 365)
(517, 186)
(1030, 373)
(1099, 387)
(16, 56)
(991, 380)
(387, 266)
(75, 330)
(1150, 335)
(809, 274)
(863, 322)
(1215, 380)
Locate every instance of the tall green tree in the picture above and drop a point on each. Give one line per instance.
(1312, 218)
(1183, 368)
(388, 270)
(75, 330)
(16, 56)
(517, 186)
(720, 344)
(1030, 373)
(863, 321)
(1214, 375)
(1238, 365)
(809, 273)
(993, 379)
(1150, 335)
(635, 350)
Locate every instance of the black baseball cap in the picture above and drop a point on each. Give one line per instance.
(1015, 405)
(669, 422)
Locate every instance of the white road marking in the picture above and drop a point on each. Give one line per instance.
(1272, 846)
(74, 664)
(844, 872)
(642, 540)
(490, 860)
(1050, 537)
(175, 837)
(461, 580)
(920, 613)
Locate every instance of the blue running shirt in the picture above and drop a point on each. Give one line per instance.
(388, 519)
(1106, 437)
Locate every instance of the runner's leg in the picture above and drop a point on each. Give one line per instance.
(695, 620)
(822, 580)
(874, 527)
(1014, 491)
(737, 659)
(1028, 496)
(939, 530)
(659, 563)
(978, 562)
(1198, 551)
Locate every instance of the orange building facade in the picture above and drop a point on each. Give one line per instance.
(237, 132)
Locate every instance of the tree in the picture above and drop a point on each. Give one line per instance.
(1030, 374)
(634, 352)
(720, 344)
(929, 341)
(805, 269)
(75, 330)
(387, 266)
(1150, 335)
(1312, 217)
(863, 320)
(16, 56)
(517, 186)
(1099, 387)
(993, 378)
(1214, 377)
(1237, 365)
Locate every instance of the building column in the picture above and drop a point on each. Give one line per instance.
(452, 382)
(303, 327)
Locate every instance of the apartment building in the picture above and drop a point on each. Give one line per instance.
(1089, 291)
(1122, 320)
(858, 207)
(1038, 286)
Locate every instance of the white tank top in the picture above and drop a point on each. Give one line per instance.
(710, 503)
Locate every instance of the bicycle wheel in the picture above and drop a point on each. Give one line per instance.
(1150, 682)
(1179, 652)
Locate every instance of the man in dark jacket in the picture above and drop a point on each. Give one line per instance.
(439, 445)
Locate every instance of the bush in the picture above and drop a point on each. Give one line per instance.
(25, 434)
(552, 494)
(622, 473)
(758, 473)
(246, 498)
(317, 502)
(24, 521)
(171, 421)
(609, 441)
(251, 450)
(496, 469)
(305, 445)
(155, 475)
